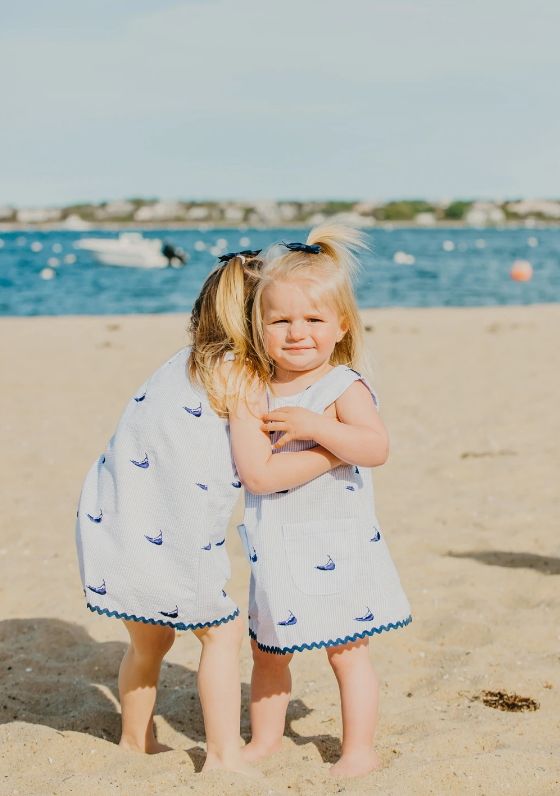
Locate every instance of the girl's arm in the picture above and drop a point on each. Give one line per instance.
(358, 436)
(259, 469)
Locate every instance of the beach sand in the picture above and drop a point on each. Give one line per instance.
(469, 503)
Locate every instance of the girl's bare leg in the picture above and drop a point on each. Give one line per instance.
(359, 696)
(138, 678)
(271, 686)
(219, 687)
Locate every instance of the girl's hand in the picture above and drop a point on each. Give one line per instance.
(294, 421)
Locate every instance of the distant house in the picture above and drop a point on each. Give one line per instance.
(38, 215)
(161, 211)
(482, 213)
(538, 207)
(121, 208)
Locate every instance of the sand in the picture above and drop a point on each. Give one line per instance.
(469, 502)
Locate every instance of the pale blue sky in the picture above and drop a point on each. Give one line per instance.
(254, 99)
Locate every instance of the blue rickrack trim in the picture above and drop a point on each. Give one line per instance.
(176, 625)
(332, 642)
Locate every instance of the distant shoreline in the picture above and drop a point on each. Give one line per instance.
(100, 226)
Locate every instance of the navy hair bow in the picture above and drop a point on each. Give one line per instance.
(246, 253)
(303, 247)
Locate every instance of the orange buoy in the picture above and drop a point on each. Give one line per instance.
(521, 271)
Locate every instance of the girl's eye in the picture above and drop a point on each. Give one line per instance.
(315, 320)
(279, 321)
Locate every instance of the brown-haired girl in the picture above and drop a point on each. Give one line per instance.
(154, 510)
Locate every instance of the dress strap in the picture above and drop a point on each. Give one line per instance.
(332, 386)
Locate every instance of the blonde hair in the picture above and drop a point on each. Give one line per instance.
(329, 276)
(220, 329)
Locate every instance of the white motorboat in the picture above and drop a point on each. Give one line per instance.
(132, 250)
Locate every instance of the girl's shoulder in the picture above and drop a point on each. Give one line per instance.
(336, 383)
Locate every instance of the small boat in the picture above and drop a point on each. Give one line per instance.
(132, 250)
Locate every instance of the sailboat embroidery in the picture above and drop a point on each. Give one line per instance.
(155, 539)
(144, 464)
(202, 486)
(96, 518)
(207, 546)
(196, 411)
(376, 536)
(367, 617)
(253, 556)
(99, 589)
(171, 614)
(357, 471)
(328, 567)
(291, 620)
(236, 484)
(139, 398)
(351, 488)
(219, 544)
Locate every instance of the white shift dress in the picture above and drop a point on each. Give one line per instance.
(321, 572)
(155, 507)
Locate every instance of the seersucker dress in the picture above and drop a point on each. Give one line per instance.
(321, 572)
(155, 507)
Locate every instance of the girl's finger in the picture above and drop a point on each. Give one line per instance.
(276, 415)
(282, 441)
(273, 426)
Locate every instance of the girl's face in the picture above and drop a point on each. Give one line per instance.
(300, 333)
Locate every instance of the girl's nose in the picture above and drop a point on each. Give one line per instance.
(297, 331)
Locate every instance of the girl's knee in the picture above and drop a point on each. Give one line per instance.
(345, 655)
(230, 633)
(270, 660)
(150, 640)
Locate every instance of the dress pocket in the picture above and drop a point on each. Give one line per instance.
(321, 554)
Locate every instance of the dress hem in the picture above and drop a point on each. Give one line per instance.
(162, 623)
(331, 642)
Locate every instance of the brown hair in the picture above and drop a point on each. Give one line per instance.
(220, 329)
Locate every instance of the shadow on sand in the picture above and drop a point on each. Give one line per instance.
(56, 675)
(546, 565)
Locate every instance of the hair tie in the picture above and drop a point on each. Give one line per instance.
(246, 253)
(303, 247)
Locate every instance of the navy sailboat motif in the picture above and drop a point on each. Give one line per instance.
(96, 518)
(171, 614)
(367, 617)
(144, 464)
(291, 620)
(102, 589)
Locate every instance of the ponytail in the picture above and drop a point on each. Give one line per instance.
(220, 328)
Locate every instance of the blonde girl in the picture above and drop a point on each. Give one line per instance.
(322, 576)
(153, 515)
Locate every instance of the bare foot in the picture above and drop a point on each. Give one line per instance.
(156, 747)
(237, 765)
(253, 752)
(355, 765)
(151, 748)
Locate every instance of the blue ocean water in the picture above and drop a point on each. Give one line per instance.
(452, 267)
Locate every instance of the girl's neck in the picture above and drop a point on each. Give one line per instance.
(288, 382)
